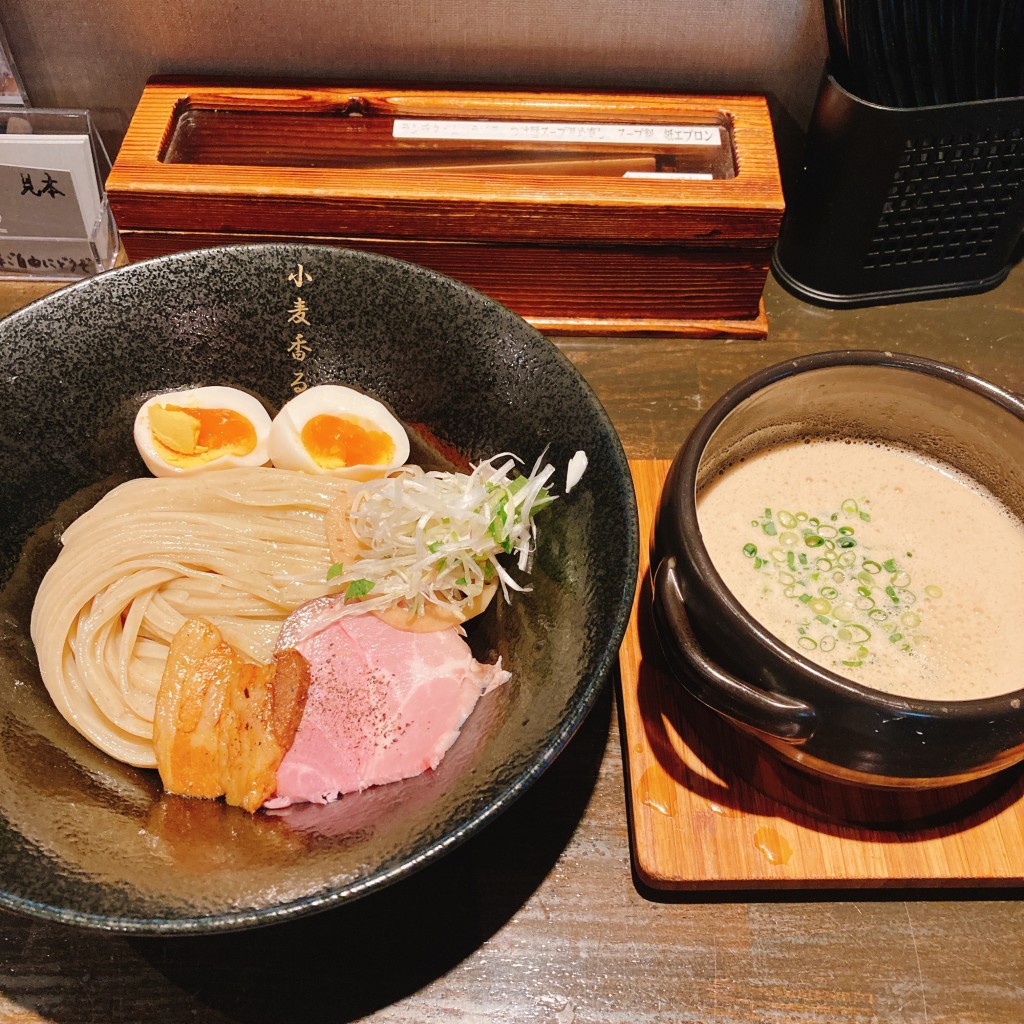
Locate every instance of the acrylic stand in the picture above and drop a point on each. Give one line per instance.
(55, 221)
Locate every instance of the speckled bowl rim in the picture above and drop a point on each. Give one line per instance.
(240, 920)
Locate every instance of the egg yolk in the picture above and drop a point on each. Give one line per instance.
(186, 436)
(334, 442)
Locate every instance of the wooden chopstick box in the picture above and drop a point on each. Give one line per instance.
(584, 212)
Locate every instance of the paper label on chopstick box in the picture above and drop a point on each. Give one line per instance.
(559, 131)
(671, 175)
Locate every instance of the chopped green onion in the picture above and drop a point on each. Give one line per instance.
(844, 612)
(851, 597)
(854, 634)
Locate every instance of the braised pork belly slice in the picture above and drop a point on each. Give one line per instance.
(223, 723)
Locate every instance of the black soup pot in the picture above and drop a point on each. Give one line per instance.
(816, 719)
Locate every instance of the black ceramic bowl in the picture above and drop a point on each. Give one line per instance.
(814, 718)
(87, 840)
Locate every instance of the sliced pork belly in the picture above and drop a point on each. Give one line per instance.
(383, 704)
(223, 723)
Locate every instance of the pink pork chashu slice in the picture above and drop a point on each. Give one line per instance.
(384, 704)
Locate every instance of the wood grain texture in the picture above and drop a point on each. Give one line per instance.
(214, 162)
(712, 809)
(595, 290)
(568, 247)
(147, 191)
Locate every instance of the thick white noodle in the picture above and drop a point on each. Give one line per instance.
(240, 547)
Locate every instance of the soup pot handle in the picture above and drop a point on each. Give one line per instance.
(770, 714)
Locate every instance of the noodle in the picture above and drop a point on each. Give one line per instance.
(240, 547)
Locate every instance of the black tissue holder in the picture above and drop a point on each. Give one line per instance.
(895, 204)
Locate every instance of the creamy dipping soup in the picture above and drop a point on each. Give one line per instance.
(875, 563)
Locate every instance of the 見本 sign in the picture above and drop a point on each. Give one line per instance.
(50, 206)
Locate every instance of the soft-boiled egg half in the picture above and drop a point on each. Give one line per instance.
(335, 430)
(215, 427)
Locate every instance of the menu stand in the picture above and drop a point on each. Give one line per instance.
(55, 221)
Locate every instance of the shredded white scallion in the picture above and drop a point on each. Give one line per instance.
(575, 470)
(435, 538)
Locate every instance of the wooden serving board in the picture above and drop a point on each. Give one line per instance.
(711, 808)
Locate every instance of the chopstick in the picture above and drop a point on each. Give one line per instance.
(906, 53)
(590, 165)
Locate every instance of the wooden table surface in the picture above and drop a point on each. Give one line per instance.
(539, 919)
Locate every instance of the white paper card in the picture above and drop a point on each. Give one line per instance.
(47, 257)
(559, 131)
(671, 175)
(44, 176)
(39, 202)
